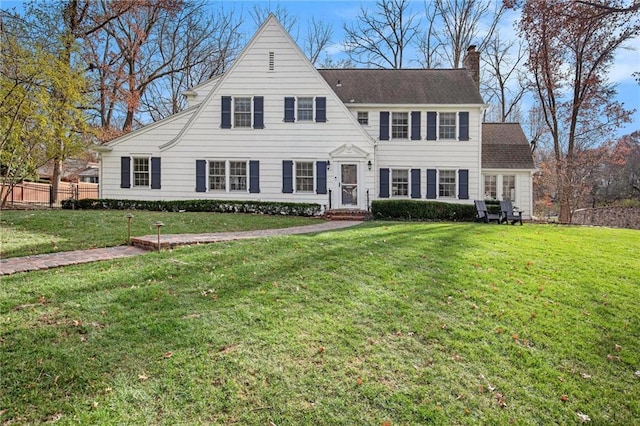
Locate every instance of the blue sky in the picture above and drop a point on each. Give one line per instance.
(338, 12)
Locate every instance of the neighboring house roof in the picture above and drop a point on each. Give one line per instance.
(403, 86)
(504, 146)
(71, 169)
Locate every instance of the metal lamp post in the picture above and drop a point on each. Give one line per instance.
(129, 216)
(158, 225)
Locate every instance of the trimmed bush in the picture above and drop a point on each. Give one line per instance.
(213, 206)
(414, 210)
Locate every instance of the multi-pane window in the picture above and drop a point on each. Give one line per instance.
(242, 112)
(447, 125)
(400, 183)
(217, 176)
(363, 118)
(304, 176)
(490, 187)
(141, 171)
(399, 125)
(237, 176)
(508, 188)
(305, 109)
(447, 183)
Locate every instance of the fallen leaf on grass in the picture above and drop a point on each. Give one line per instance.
(142, 377)
(617, 348)
(613, 358)
(167, 355)
(564, 398)
(638, 373)
(586, 376)
(501, 400)
(583, 418)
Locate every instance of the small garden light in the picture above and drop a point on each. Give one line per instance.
(129, 216)
(158, 225)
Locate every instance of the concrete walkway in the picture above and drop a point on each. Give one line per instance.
(150, 242)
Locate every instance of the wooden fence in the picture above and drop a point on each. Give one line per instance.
(32, 194)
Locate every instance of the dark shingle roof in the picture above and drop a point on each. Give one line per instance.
(404, 86)
(504, 146)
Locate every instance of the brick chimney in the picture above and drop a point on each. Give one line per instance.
(471, 62)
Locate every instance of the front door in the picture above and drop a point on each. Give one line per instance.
(349, 184)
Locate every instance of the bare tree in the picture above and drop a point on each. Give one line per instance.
(569, 57)
(429, 44)
(259, 14)
(461, 26)
(195, 46)
(504, 81)
(380, 37)
(319, 35)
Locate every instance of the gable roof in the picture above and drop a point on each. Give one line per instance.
(403, 86)
(504, 146)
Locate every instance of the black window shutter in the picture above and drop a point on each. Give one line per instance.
(226, 112)
(125, 172)
(384, 183)
(464, 126)
(258, 112)
(321, 177)
(289, 110)
(415, 126)
(432, 116)
(287, 176)
(201, 175)
(384, 125)
(431, 184)
(415, 183)
(155, 172)
(463, 184)
(321, 110)
(254, 177)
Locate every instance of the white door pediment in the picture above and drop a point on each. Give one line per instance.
(349, 151)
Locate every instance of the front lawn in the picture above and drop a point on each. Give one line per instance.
(384, 323)
(26, 233)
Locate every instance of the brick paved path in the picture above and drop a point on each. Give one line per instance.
(142, 244)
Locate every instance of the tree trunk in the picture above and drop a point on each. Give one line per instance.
(55, 179)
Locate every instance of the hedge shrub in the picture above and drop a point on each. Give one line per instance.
(214, 206)
(422, 210)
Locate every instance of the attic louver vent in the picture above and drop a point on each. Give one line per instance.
(272, 61)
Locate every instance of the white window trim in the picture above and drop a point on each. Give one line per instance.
(233, 113)
(133, 171)
(313, 109)
(500, 184)
(295, 176)
(358, 118)
(227, 175)
(456, 184)
(457, 126)
(408, 138)
(408, 170)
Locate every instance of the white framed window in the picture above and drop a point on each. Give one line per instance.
(304, 177)
(141, 171)
(400, 125)
(400, 182)
(237, 176)
(242, 112)
(217, 175)
(490, 187)
(447, 183)
(508, 188)
(447, 125)
(305, 109)
(227, 175)
(363, 118)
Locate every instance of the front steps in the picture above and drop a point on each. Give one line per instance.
(347, 214)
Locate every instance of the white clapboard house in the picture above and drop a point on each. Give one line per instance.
(274, 128)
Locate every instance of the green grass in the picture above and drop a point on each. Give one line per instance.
(399, 323)
(27, 233)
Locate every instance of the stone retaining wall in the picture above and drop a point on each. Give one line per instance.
(617, 217)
